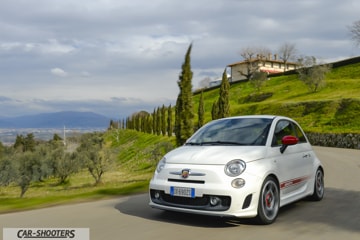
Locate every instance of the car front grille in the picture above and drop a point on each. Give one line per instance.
(186, 181)
(198, 203)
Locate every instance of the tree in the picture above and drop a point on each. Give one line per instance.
(184, 114)
(215, 110)
(201, 111)
(258, 79)
(29, 143)
(98, 163)
(94, 156)
(28, 170)
(286, 52)
(19, 143)
(64, 164)
(312, 74)
(158, 121)
(149, 124)
(56, 137)
(355, 32)
(224, 104)
(169, 122)
(7, 171)
(154, 123)
(163, 120)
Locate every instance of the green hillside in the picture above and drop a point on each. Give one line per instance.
(333, 109)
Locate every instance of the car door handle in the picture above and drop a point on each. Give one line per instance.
(306, 155)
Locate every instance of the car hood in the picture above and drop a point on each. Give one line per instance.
(214, 154)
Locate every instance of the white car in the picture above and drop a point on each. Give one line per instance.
(246, 166)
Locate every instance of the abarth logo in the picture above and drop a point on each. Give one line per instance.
(185, 173)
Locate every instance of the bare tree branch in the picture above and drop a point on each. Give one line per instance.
(286, 52)
(355, 32)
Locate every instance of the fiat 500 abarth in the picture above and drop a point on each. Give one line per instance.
(245, 166)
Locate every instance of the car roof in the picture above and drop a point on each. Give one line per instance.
(253, 116)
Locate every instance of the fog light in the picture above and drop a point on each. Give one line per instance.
(214, 201)
(157, 195)
(238, 183)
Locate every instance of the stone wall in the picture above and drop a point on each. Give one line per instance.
(345, 140)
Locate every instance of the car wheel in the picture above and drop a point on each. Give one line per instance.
(318, 186)
(269, 201)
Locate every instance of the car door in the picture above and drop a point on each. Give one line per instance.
(294, 164)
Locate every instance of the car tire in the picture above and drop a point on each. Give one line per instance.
(269, 201)
(319, 188)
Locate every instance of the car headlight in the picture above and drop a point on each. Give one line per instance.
(161, 165)
(235, 167)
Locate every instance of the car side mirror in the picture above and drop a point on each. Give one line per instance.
(287, 141)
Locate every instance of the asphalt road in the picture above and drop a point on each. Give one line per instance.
(337, 216)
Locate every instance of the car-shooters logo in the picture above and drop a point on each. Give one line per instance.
(46, 233)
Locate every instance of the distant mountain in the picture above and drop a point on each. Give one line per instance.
(70, 119)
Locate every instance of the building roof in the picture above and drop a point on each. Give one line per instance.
(258, 60)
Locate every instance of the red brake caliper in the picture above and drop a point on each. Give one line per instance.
(268, 199)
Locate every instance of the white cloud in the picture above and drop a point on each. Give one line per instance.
(59, 72)
(53, 46)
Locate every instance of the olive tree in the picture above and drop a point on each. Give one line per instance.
(64, 164)
(28, 169)
(94, 156)
(258, 79)
(311, 73)
(7, 171)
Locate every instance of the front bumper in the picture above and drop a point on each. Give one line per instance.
(213, 193)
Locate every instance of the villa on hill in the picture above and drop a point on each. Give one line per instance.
(266, 64)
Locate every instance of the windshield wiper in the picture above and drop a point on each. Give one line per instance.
(221, 143)
(192, 143)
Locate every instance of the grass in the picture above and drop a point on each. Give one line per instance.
(78, 189)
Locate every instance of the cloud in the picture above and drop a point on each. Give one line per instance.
(58, 72)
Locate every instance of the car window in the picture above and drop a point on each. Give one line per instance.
(300, 134)
(283, 128)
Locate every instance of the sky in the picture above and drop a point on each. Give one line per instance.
(118, 57)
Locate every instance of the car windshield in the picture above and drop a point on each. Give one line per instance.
(233, 131)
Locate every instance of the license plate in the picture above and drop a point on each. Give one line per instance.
(182, 192)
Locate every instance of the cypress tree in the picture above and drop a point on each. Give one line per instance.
(215, 110)
(184, 111)
(158, 121)
(163, 120)
(201, 111)
(154, 121)
(169, 122)
(224, 105)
